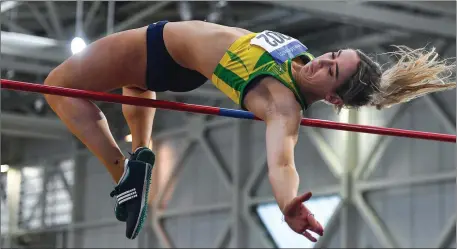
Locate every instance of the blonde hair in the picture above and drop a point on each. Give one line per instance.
(415, 73)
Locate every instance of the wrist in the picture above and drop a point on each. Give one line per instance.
(283, 204)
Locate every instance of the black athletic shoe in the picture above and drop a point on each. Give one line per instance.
(143, 154)
(132, 193)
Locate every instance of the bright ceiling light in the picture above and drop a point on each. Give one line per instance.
(77, 45)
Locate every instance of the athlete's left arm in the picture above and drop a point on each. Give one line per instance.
(282, 127)
(276, 105)
(282, 115)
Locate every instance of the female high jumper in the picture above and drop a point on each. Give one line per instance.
(270, 74)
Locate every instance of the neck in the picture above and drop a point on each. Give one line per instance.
(310, 97)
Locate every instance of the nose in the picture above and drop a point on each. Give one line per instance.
(317, 64)
(325, 62)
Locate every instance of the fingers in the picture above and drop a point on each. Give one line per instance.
(320, 229)
(309, 236)
(304, 231)
(317, 230)
(315, 226)
(304, 197)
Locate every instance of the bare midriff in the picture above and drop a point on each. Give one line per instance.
(199, 45)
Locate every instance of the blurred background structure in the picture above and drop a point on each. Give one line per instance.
(211, 188)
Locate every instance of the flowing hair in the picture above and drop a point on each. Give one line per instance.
(415, 73)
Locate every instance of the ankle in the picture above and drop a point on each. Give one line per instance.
(124, 167)
(117, 169)
(141, 144)
(135, 148)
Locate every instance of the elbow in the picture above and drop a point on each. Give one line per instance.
(279, 169)
(284, 165)
(280, 172)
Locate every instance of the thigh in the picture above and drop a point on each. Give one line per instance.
(110, 63)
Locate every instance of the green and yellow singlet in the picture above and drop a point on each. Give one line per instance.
(265, 53)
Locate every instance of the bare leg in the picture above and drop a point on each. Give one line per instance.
(110, 63)
(88, 124)
(139, 119)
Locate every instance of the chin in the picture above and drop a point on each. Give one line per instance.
(326, 102)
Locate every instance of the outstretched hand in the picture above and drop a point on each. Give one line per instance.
(300, 219)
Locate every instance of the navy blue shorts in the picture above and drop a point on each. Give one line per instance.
(163, 73)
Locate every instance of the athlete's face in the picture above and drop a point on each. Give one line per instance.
(327, 72)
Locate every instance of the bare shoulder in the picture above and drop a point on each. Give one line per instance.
(270, 97)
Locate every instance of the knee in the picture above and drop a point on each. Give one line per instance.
(130, 110)
(52, 80)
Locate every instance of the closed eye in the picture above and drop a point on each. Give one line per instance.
(336, 64)
(330, 72)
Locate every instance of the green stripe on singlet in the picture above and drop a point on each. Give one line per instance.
(229, 77)
(264, 59)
